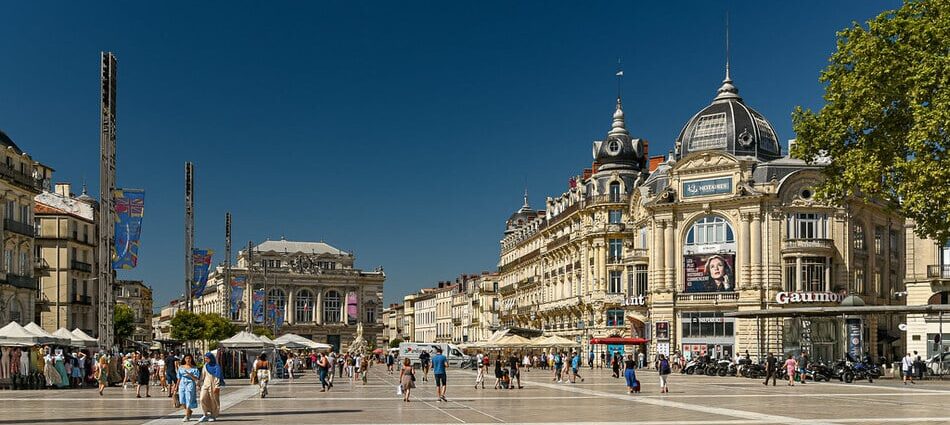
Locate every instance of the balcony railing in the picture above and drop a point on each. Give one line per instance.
(708, 297)
(81, 299)
(81, 266)
(635, 253)
(21, 178)
(614, 259)
(610, 198)
(939, 271)
(18, 281)
(807, 244)
(24, 229)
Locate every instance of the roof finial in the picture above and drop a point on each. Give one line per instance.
(525, 197)
(727, 90)
(619, 80)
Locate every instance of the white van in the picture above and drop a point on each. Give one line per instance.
(411, 351)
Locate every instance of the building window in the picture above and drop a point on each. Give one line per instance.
(615, 216)
(878, 240)
(614, 286)
(859, 286)
(9, 210)
(370, 314)
(791, 270)
(331, 307)
(641, 276)
(73, 289)
(813, 274)
(895, 283)
(859, 243)
(615, 192)
(614, 317)
(894, 241)
(24, 263)
(303, 310)
(16, 311)
(706, 325)
(615, 251)
(710, 230)
(878, 285)
(643, 237)
(709, 132)
(806, 226)
(276, 302)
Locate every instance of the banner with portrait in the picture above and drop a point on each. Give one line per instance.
(709, 272)
(129, 210)
(352, 308)
(237, 293)
(257, 304)
(201, 259)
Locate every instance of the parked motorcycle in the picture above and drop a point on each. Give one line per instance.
(694, 366)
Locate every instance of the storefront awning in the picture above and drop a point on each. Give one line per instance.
(616, 340)
(840, 311)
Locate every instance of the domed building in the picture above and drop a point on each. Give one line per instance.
(734, 237)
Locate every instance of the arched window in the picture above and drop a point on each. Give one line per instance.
(331, 307)
(303, 310)
(710, 230)
(276, 303)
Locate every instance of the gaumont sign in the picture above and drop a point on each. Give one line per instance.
(809, 297)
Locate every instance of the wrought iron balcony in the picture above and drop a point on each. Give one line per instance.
(808, 245)
(80, 266)
(610, 198)
(81, 299)
(939, 271)
(20, 178)
(707, 297)
(18, 281)
(25, 229)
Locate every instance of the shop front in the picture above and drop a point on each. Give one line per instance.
(707, 332)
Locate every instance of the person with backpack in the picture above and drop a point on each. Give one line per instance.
(558, 365)
(663, 368)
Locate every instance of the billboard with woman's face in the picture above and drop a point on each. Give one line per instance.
(709, 272)
(352, 308)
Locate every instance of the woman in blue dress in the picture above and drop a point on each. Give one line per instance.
(61, 368)
(188, 375)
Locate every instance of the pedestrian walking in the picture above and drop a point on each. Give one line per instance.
(664, 370)
(331, 363)
(590, 360)
(438, 369)
(526, 363)
(424, 360)
(907, 369)
(603, 358)
(482, 366)
(390, 362)
(102, 373)
(498, 372)
(128, 369)
(171, 377)
(558, 365)
(615, 364)
(262, 373)
(790, 366)
(630, 375)
(323, 367)
(770, 364)
(641, 359)
(575, 365)
(144, 368)
(407, 379)
(514, 373)
(212, 379)
(188, 376)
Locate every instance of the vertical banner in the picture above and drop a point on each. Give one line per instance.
(853, 331)
(352, 308)
(129, 210)
(201, 258)
(237, 293)
(257, 303)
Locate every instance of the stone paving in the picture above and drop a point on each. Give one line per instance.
(599, 399)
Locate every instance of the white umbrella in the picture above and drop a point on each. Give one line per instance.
(16, 335)
(297, 341)
(85, 338)
(37, 330)
(64, 333)
(244, 339)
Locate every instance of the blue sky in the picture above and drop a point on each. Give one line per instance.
(403, 131)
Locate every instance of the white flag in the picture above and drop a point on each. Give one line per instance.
(620, 73)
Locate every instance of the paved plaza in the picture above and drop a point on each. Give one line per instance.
(599, 399)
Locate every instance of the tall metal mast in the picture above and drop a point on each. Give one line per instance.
(107, 114)
(189, 232)
(227, 266)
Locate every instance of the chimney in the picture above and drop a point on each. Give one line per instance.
(791, 145)
(587, 173)
(441, 284)
(63, 189)
(646, 148)
(655, 161)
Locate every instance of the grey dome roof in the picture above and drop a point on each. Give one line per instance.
(619, 151)
(7, 142)
(728, 124)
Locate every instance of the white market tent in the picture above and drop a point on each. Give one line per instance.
(85, 338)
(37, 330)
(245, 339)
(15, 335)
(64, 333)
(553, 341)
(295, 341)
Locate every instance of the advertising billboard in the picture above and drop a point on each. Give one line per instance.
(352, 308)
(709, 272)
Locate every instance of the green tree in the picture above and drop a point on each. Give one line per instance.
(187, 326)
(216, 328)
(264, 331)
(884, 123)
(395, 342)
(123, 322)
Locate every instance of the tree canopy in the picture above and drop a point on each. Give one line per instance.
(123, 322)
(187, 326)
(884, 123)
(263, 331)
(395, 342)
(216, 327)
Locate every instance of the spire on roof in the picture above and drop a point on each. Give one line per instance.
(525, 199)
(727, 90)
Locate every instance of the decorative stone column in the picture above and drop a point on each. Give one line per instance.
(318, 307)
(659, 257)
(670, 270)
(291, 306)
(756, 250)
(745, 250)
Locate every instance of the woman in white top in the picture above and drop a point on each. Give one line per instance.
(526, 362)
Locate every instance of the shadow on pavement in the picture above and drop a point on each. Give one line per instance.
(223, 417)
